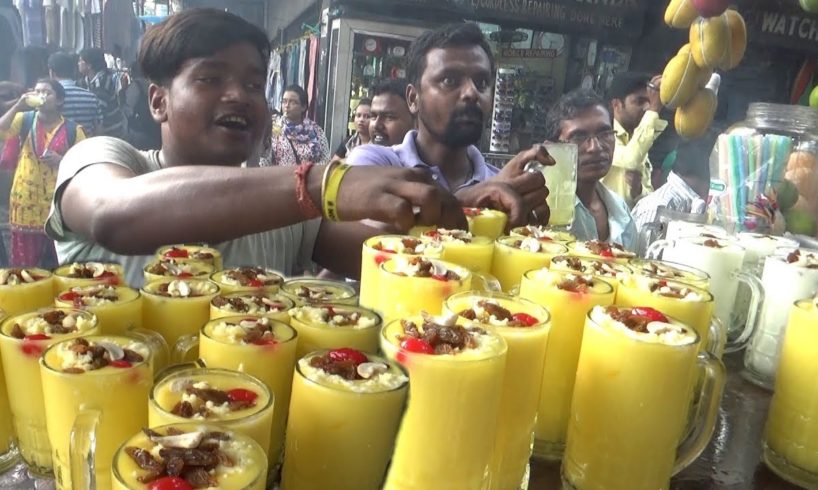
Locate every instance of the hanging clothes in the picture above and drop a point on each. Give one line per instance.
(120, 27)
(31, 12)
(274, 82)
(313, 73)
(302, 63)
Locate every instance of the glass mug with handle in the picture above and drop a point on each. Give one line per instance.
(659, 228)
(722, 259)
(638, 361)
(83, 379)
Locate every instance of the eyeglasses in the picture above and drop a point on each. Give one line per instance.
(604, 138)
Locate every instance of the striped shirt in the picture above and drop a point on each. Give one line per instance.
(81, 106)
(675, 195)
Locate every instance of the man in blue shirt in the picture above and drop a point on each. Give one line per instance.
(450, 92)
(81, 106)
(582, 117)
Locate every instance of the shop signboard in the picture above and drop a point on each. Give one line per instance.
(780, 23)
(622, 19)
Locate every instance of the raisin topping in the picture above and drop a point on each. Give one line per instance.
(258, 334)
(495, 312)
(342, 318)
(249, 276)
(195, 465)
(186, 409)
(712, 243)
(13, 277)
(665, 289)
(636, 319)
(443, 339)
(794, 257)
(345, 367)
(17, 332)
(410, 244)
(426, 268)
(313, 294)
(81, 271)
(158, 269)
(575, 263)
(202, 255)
(579, 284)
(604, 249)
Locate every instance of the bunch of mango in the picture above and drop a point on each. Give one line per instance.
(718, 40)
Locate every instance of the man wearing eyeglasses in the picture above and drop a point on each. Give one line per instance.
(582, 117)
(634, 99)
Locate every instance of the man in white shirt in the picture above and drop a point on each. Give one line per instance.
(582, 117)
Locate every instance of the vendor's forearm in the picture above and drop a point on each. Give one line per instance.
(186, 204)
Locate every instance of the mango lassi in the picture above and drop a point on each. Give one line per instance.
(463, 248)
(609, 271)
(275, 306)
(331, 326)
(348, 446)
(456, 380)
(24, 290)
(109, 375)
(601, 250)
(569, 297)
(543, 233)
(8, 449)
(158, 459)
(177, 307)
(660, 269)
(524, 325)
(486, 222)
(260, 347)
(248, 279)
(378, 250)
(118, 308)
(87, 274)
(23, 339)
(162, 268)
(686, 303)
(317, 291)
(514, 256)
(232, 399)
(412, 285)
(631, 400)
(791, 434)
(192, 253)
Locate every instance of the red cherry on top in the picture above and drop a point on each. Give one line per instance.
(242, 395)
(525, 319)
(264, 342)
(122, 363)
(606, 252)
(255, 283)
(417, 345)
(184, 275)
(170, 483)
(651, 314)
(177, 253)
(347, 354)
(472, 211)
(70, 296)
(37, 336)
(439, 277)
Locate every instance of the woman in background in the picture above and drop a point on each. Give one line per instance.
(361, 136)
(295, 138)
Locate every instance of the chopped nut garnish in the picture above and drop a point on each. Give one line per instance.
(427, 268)
(14, 277)
(712, 243)
(636, 319)
(576, 284)
(199, 394)
(244, 303)
(442, 339)
(343, 366)
(253, 277)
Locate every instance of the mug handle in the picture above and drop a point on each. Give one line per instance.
(82, 449)
(184, 346)
(656, 248)
(717, 338)
(753, 316)
(485, 282)
(156, 343)
(713, 376)
(646, 234)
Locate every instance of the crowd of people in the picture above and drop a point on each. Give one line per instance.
(191, 153)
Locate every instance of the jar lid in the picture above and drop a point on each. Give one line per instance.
(783, 118)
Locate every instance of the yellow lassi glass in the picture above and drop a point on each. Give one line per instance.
(118, 308)
(347, 447)
(8, 447)
(24, 290)
(462, 248)
(632, 402)
(248, 473)
(168, 268)
(543, 233)
(255, 279)
(486, 222)
(180, 386)
(568, 298)
(660, 269)
(86, 402)
(690, 305)
(609, 271)
(275, 306)
(601, 250)
(304, 291)
(333, 325)
(514, 256)
(23, 339)
(177, 307)
(87, 274)
(448, 432)
(192, 253)
(526, 334)
(379, 249)
(233, 343)
(791, 434)
(414, 285)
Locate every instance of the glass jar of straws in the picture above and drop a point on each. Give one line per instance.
(765, 165)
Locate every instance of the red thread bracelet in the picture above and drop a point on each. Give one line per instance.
(305, 203)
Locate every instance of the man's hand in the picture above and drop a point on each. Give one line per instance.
(504, 197)
(654, 86)
(634, 180)
(393, 195)
(516, 166)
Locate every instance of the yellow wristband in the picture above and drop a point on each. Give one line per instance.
(330, 194)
